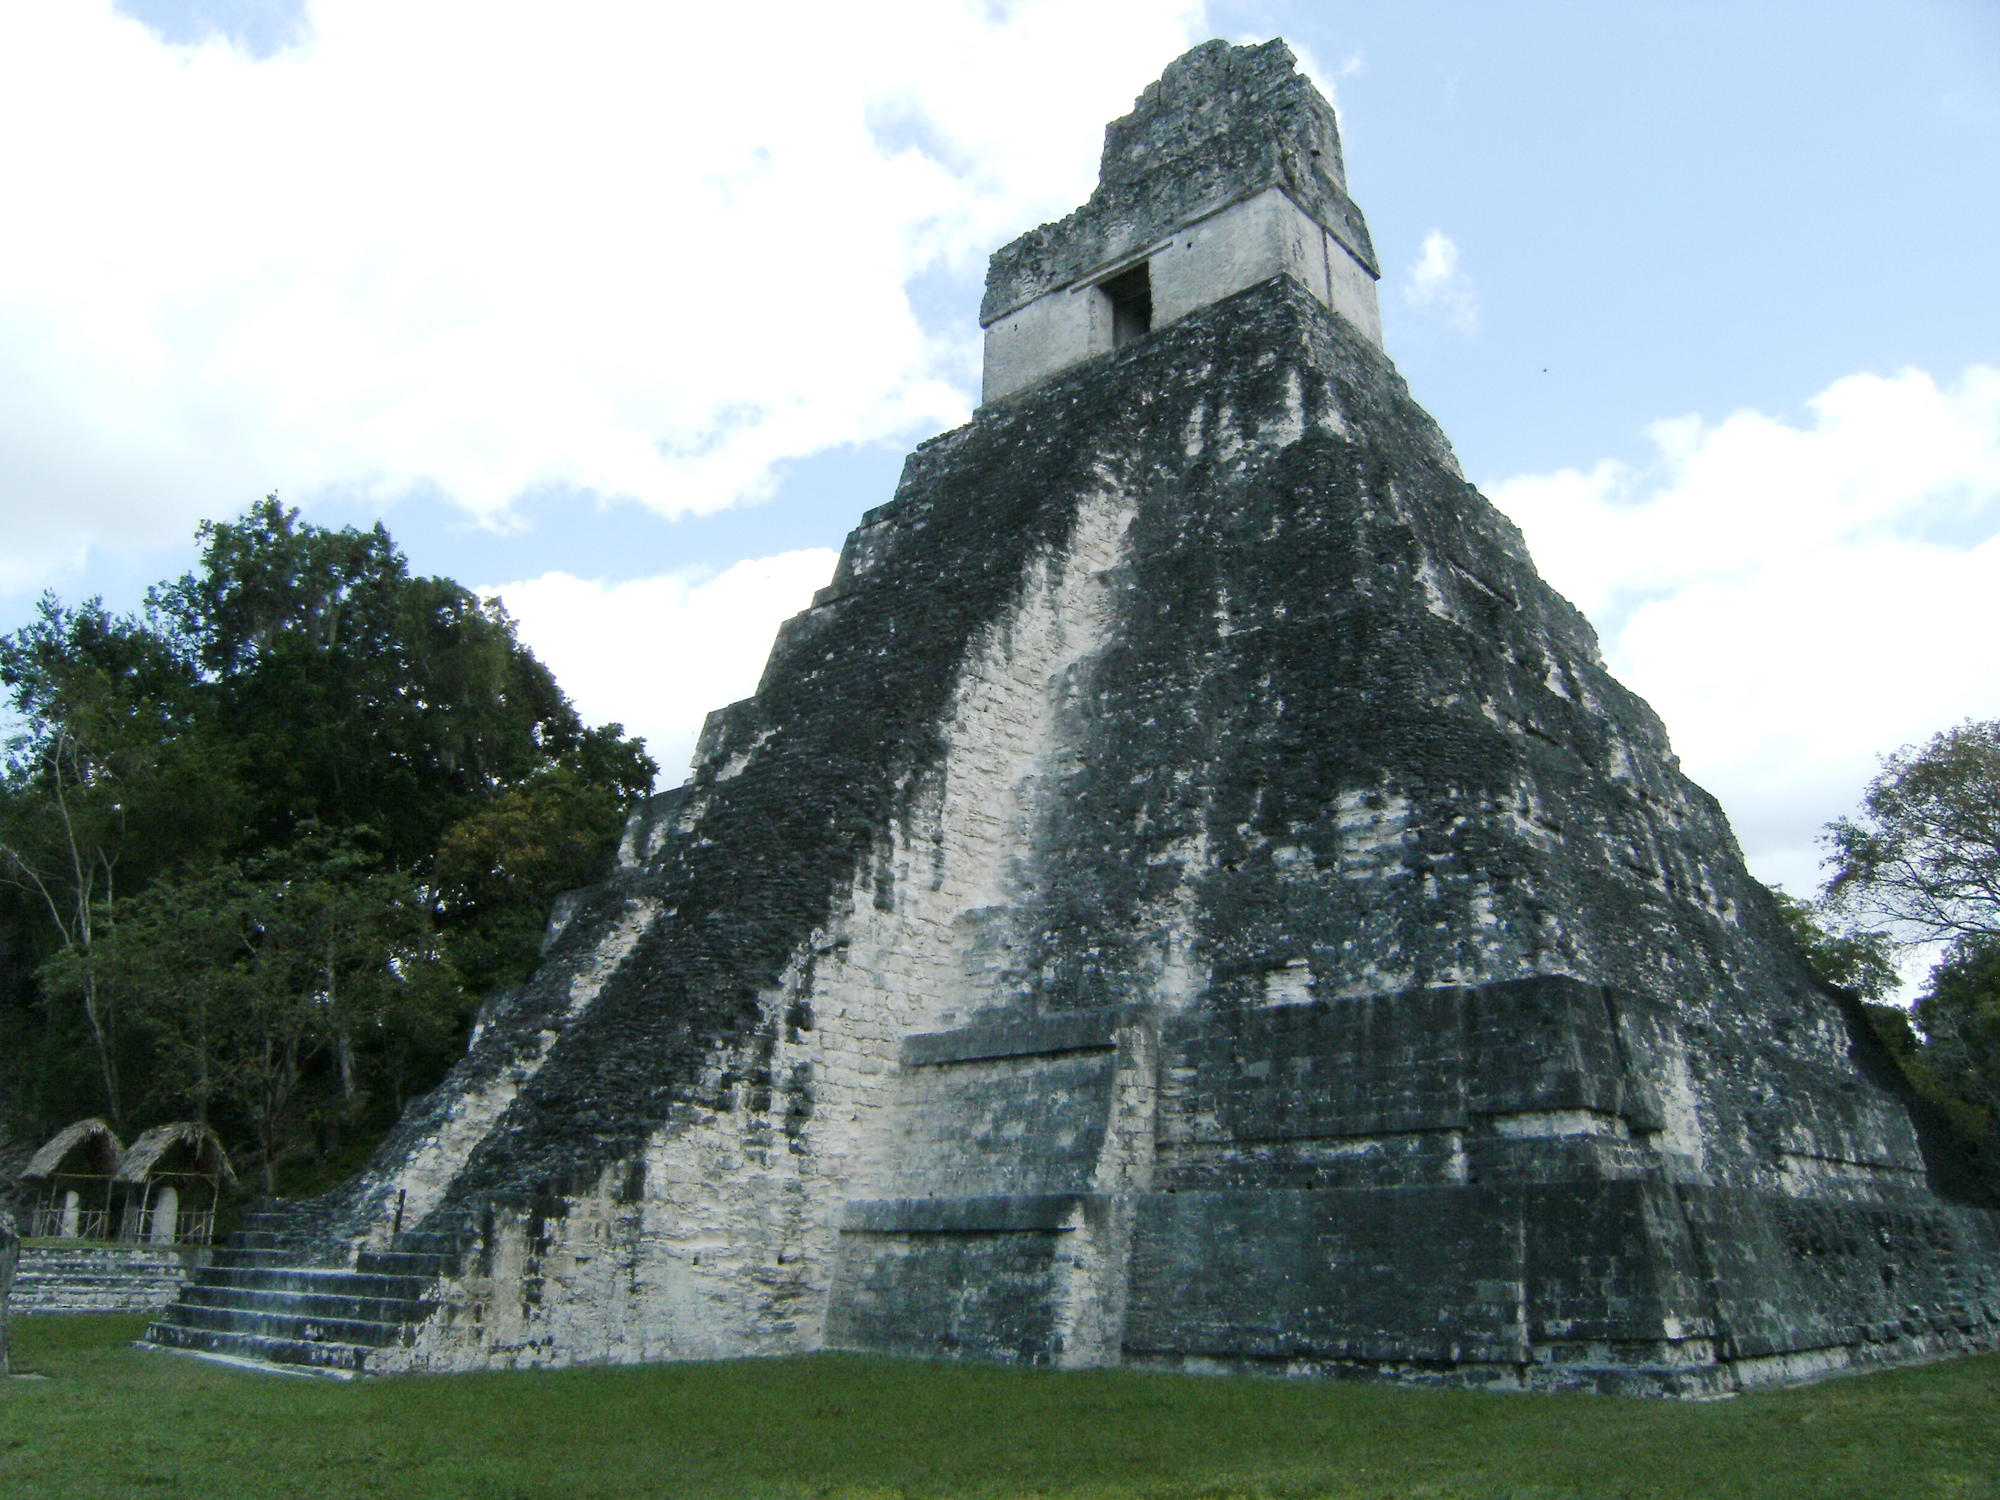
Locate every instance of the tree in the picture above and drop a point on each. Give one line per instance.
(1959, 1015)
(102, 767)
(1925, 854)
(193, 772)
(248, 973)
(1924, 858)
(359, 695)
(499, 869)
(1850, 957)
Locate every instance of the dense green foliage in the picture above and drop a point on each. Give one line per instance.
(264, 844)
(1959, 1015)
(114, 1421)
(1850, 957)
(1923, 860)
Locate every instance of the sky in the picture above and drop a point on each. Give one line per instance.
(626, 311)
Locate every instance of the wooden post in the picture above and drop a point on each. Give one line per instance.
(10, 1255)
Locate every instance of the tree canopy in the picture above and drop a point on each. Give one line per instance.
(1850, 957)
(303, 801)
(1959, 1016)
(1922, 862)
(1924, 856)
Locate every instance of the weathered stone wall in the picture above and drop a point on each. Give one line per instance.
(1186, 893)
(75, 1279)
(1222, 124)
(680, 1252)
(1226, 173)
(1284, 947)
(1196, 265)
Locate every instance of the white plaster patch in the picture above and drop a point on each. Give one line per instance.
(1290, 984)
(735, 765)
(1536, 1124)
(1191, 439)
(1434, 596)
(1290, 424)
(1181, 977)
(1680, 1107)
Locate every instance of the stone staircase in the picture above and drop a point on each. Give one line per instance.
(262, 1300)
(93, 1278)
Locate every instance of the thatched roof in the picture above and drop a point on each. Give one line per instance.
(209, 1157)
(98, 1140)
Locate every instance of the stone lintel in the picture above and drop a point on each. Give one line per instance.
(1074, 1031)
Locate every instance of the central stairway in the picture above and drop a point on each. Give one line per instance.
(260, 1300)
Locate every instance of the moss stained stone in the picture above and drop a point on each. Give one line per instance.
(1187, 893)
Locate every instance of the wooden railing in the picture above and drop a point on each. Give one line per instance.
(52, 1221)
(190, 1226)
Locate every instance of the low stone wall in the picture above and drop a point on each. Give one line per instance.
(102, 1278)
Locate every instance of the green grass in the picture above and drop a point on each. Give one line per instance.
(113, 1421)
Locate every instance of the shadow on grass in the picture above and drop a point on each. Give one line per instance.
(114, 1421)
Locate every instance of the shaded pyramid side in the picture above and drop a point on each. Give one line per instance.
(1437, 1024)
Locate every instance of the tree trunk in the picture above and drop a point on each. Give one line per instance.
(108, 1069)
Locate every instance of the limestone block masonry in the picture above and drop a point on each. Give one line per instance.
(1186, 894)
(1227, 173)
(108, 1278)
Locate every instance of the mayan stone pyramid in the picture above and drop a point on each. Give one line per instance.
(1187, 894)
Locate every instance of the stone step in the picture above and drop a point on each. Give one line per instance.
(452, 1243)
(279, 1224)
(321, 1357)
(36, 1281)
(405, 1263)
(284, 1327)
(233, 1254)
(121, 1299)
(335, 1302)
(262, 1300)
(262, 1239)
(316, 1280)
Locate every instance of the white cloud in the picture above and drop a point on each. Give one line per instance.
(1436, 284)
(1794, 599)
(643, 250)
(657, 654)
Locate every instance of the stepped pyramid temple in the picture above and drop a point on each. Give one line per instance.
(1186, 895)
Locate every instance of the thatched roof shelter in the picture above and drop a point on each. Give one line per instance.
(102, 1152)
(206, 1157)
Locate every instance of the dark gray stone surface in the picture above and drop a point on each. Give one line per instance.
(1031, 1036)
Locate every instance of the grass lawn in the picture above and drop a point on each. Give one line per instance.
(112, 1421)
